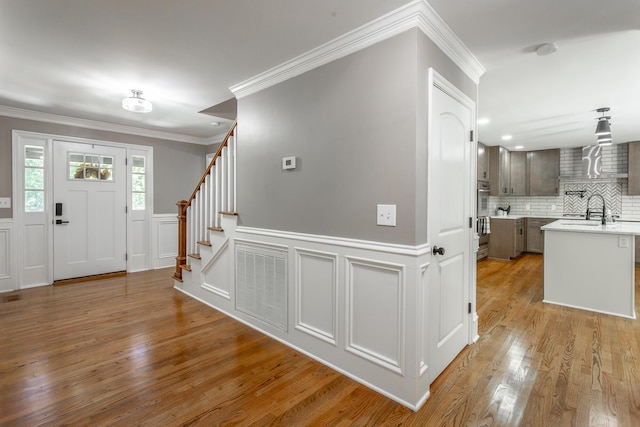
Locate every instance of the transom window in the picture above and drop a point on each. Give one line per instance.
(90, 167)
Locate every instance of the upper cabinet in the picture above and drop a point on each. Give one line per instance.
(499, 171)
(544, 171)
(526, 173)
(518, 172)
(483, 162)
(634, 170)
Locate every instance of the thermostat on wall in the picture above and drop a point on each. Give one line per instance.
(288, 163)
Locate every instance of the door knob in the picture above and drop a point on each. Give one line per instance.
(436, 250)
(59, 221)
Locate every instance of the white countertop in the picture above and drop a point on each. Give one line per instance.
(584, 226)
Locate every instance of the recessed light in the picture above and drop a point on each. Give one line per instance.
(483, 121)
(519, 147)
(507, 137)
(215, 123)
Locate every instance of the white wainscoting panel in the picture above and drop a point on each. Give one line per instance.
(216, 275)
(139, 259)
(164, 240)
(34, 256)
(316, 290)
(451, 318)
(375, 311)
(7, 281)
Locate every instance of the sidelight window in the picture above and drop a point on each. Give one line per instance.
(33, 179)
(138, 183)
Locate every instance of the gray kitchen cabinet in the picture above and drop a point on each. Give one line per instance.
(518, 173)
(499, 171)
(543, 171)
(633, 188)
(535, 236)
(507, 237)
(483, 162)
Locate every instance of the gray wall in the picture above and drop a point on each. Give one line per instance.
(177, 165)
(357, 127)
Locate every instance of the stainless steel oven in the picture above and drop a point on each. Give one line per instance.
(483, 199)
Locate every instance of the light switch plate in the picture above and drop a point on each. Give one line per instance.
(387, 215)
(5, 202)
(288, 163)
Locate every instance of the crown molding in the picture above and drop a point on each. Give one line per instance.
(416, 14)
(19, 113)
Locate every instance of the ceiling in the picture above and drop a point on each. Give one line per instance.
(79, 58)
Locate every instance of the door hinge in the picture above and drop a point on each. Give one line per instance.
(470, 222)
(126, 161)
(471, 136)
(469, 308)
(126, 257)
(126, 209)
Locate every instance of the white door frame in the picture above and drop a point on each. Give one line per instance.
(47, 140)
(437, 80)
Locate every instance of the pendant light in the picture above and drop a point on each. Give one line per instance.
(136, 103)
(603, 127)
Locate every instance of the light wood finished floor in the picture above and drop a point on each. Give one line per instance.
(132, 351)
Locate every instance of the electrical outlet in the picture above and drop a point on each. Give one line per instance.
(623, 241)
(386, 215)
(553, 207)
(528, 207)
(5, 202)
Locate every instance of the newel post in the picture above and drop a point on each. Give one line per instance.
(181, 259)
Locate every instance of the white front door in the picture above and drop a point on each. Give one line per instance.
(449, 234)
(89, 226)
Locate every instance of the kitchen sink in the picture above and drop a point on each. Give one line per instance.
(585, 223)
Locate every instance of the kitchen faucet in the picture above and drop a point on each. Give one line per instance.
(604, 217)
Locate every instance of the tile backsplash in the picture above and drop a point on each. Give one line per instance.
(614, 161)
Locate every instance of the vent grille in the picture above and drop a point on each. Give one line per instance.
(261, 283)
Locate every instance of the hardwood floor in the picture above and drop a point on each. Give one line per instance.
(133, 351)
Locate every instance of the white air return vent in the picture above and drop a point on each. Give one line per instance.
(261, 282)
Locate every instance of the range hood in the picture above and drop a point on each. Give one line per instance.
(592, 167)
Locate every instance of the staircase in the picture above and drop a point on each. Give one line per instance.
(213, 197)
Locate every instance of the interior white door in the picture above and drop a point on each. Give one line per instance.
(449, 210)
(89, 233)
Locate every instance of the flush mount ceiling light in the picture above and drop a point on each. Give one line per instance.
(546, 49)
(136, 103)
(603, 127)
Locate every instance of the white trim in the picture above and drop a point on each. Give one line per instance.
(341, 241)
(159, 259)
(19, 113)
(418, 14)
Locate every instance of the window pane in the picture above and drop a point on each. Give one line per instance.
(137, 164)
(106, 174)
(33, 179)
(138, 201)
(137, 182)
(106, 162)
(91, 172)
(34, 156)
(76, 159)
(76, 172)
(93, 160)
(34, 201)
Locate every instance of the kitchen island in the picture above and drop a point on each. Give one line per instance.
(591, 266)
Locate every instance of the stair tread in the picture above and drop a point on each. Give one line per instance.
(228, 213)
(175, 277)
(195, 256)
(215, 229)
(204, 243)
(185, 267)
